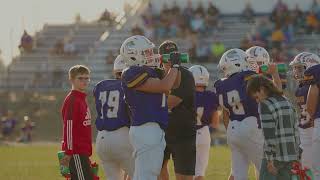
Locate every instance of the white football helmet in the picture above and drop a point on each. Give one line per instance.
(200, 74)
(302, 62)
(257, 56)
(138, 51)
(119, 65)
(233, 61)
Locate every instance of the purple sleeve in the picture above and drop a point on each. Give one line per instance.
(312, 75)
(134, 76)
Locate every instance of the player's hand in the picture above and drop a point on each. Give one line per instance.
(175, 59)
(65, 160)
(272, 69)
(271, 168)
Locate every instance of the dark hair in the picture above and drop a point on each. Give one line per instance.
(167, 47)
(255, 83)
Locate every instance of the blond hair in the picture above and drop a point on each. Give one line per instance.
(78, 69)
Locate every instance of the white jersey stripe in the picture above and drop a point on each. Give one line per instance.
(69, 134)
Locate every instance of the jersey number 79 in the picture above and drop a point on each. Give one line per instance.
(112, 99)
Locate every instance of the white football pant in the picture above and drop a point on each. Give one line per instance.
(116, 153)
(246, 143)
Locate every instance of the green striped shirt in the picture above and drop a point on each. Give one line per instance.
(279, 122)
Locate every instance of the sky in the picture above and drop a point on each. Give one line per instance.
(17, 15)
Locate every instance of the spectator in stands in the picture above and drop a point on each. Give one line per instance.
(198, 24)
(162, 26)
(202, 52)
(106, 17)
(288, 30)
(312, 22)
(213, 10)
(175, 9)
(78, 18)
(298, 18)
(279, 13)
(174, 25)
(192, 52)
(188, 13)
(26, 42)
(110, 58)
(212, 17)
(58, 48)
(257, 40)
(315, 7)
(127, 7)
(277, 37)
(2, 66)
(200, 9)
(136, 30)
(26, 130)
(8, 125)
(248, 12)
(69, 48)
(217, 49)
(264, 29)
(278, 56)
(57, 77)
(281, 6)
(148, 17)
(245, 44)
(149, 32)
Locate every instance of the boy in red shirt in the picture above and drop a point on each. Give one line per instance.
(77, 142)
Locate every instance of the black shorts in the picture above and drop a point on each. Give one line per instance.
(80, 168)
(183, 156)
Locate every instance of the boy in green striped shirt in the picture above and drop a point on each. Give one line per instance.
(279, 123)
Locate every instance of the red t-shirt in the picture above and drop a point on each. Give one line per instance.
(76, 124)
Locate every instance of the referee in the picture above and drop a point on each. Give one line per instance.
(181, 131)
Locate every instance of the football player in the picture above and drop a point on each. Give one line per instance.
(258, 56)
(243, 133)
(299, 64)
(207, 115)
(112, 144)
(145, 93)
(312, 76)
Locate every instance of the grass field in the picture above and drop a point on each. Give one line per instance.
(39, 162)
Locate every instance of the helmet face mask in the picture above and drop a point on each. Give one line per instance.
(257, 56)
(138, 51)
(298, 71)
(302, 62)
(152, 60)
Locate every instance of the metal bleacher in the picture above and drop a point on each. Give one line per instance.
(93, 41)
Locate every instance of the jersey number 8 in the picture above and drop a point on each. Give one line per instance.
(234, 101)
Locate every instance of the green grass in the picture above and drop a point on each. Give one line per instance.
(39, 162)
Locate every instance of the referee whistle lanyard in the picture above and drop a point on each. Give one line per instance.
(301, 173)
